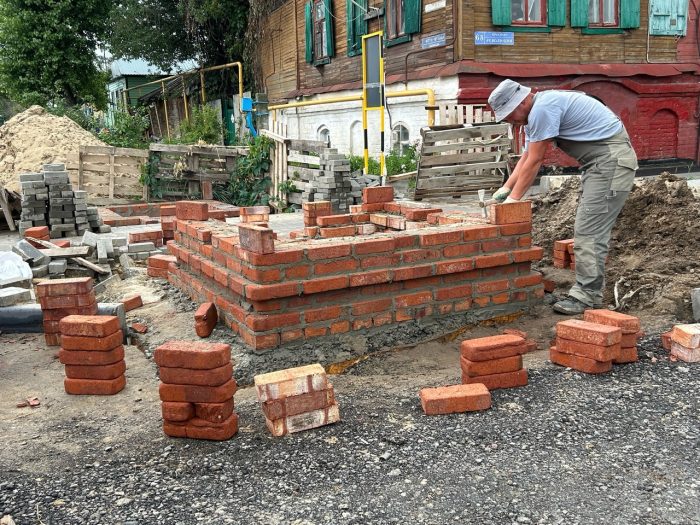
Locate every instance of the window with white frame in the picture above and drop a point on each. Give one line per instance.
(399, 139)
(324, 135)
(603, 13)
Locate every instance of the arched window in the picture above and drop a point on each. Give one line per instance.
(324, 135)
(399, 139)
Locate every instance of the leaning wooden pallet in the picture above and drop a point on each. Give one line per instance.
(460, 159)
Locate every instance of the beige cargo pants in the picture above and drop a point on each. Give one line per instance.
(608, 169)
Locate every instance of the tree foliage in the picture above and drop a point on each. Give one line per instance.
(164, 32)
(48, 50)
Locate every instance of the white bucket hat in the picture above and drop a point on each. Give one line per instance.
(506, 97)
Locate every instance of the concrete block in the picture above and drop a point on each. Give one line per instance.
(31, 177)
(118, 241)
(29, 253)
(140, 247)
(56, 166)
(58, 266)
(105, 228)
(40, 271)
(102, 252)
(90, 239)
(14, 295)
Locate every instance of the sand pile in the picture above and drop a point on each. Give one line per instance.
(654, 249)
(35, 137)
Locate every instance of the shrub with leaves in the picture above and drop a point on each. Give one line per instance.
(248, 185)
(129, 129)
(204, 125)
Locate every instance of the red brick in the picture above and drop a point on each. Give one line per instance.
(516, 228)
(192, 210)
(454, 266)
(375, 206)
(174, 411)
(511, 213)
(367, 307)
(496, 381)
(413, 272)
(168, 210)
(369, 278)
(418, 214)
(214, 412)
(455, 399)
(493, 347)
(630, 340)
(197, 394)
(103, 372)
(197, 428)
(94, 387)
(415, 299)
(192, 376)
(264, 292)
(188, 354)
(263, 322)
(92, 344)
(453, 292)
(492, 286)
(256, 239)
(627, 323)
(590, 351)
(563, 245)
(529, 280)
(132, 302)
(56, 314)
(91, 358)
(687, 335)
(340, 327)
(498, 245)
(380, 261)
(292, 335)
(361, 324)
(89, 325)
(585, 332)
(441, 237)
(334, 220)
(382, 245)
(260, 342)
(315, 331)
(492, 366)
(328, 251)
(61, 243)
(336, 266)
(666, 340)
(626, 355)
(52, 339)
(161, 261)
(298, 404)
(530, 254)
(377, 194)
(157, 273)
(325, 284)
(577, 362)
(458, 250)
(205, 319)
(489, 261)
(322, 314)
(37, 232)
(337, 231)
(56, 287)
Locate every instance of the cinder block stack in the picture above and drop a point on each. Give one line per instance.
(494, 361)
(158, 265)
(631, 332)
(685, 342)
(60, 298)
(93, 355)
(455, 399)
(81, 215)
(35, 197)
(197, 389)
(585, 346)
(61, 206)
(296, 399)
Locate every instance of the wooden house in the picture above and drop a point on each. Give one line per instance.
(640, 57)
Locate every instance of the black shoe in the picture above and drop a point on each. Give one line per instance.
(570, 306)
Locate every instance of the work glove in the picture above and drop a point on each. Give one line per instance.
(501, 194)
(510, 199)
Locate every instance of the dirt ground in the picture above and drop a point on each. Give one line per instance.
(653, 261)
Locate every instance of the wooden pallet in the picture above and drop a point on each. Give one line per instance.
(460, 159)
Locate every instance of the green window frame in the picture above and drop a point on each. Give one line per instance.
(356, 25)
(402, 19)
(319, 41)
(502, 15)
(629, 14)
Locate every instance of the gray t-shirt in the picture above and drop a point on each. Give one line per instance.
(571, 115)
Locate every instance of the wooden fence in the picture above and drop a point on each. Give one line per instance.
(107, 171)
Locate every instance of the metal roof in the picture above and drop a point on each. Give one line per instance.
(122, 68)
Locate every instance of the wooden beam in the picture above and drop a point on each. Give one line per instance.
(6, 209)
(79, 260)
(73, 251)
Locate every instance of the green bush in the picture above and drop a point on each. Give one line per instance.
(204, 125)
(401, 163)
(128, 130)
(249, 183)
(79, 114)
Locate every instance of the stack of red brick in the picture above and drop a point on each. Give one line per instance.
(296, 399)
(197, 389)
(92, 352)
(255, 214)
(631, 332)
(455, 399)
(593, 344)
(494, 361)
(563, 255)
(38, 232)
(157, 265)
(62, 297)
(167, 221)
(154, 236)
(685, 342)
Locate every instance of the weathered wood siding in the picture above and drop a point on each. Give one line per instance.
(564, 45)
(278, 52)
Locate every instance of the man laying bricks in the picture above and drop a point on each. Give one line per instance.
(588, 131)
